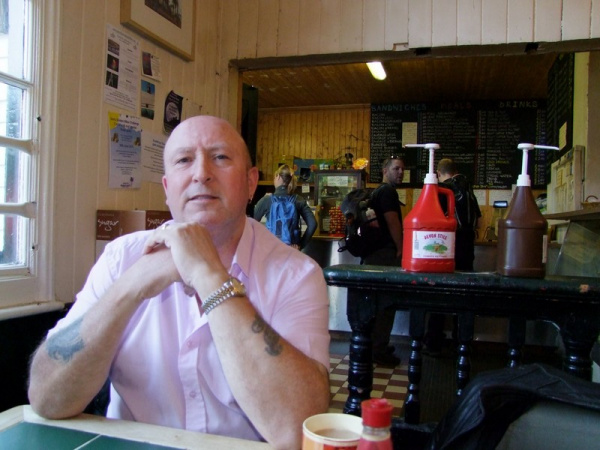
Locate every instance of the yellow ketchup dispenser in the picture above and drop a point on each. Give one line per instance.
(429, 235)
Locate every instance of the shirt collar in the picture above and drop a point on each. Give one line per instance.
(241, 259)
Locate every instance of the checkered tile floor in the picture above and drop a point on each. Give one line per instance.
(388, 383)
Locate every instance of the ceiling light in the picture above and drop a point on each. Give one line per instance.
(377, 70)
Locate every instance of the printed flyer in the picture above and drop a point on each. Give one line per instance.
(125, 141)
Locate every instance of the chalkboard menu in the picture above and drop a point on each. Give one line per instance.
(560, 106)
(481, 137)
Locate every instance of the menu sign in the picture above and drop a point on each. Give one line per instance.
(481, 137)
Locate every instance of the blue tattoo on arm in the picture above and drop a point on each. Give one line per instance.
(63, 345)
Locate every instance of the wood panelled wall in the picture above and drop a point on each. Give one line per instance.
(326, 133)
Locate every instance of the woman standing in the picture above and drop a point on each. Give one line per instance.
(283, 210)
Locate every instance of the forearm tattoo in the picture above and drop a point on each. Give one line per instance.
(271, 338)
(64, 344)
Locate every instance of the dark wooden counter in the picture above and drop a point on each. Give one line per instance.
(572, 303)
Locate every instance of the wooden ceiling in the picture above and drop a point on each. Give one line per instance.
(408, 80)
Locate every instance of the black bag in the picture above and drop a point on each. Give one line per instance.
(466, 209)
(362, 229)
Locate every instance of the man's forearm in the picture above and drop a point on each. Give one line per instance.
(71, 366)
(267, 374)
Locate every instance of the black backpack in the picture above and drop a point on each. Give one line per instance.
(466, 209)
(362, 229)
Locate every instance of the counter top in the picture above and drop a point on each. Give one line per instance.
(391, 278)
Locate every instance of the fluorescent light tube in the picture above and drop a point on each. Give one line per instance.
(377, 70)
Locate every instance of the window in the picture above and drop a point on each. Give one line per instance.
(25, 152)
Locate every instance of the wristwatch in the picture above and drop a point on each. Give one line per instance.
(231, 288)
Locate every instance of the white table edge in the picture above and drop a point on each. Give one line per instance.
(134, 431)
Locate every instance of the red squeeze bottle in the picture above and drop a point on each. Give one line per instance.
(377, 419)
(429, 236)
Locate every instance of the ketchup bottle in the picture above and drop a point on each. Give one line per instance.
(377, 419)
(429, 235)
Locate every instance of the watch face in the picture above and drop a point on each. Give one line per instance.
(238, 287)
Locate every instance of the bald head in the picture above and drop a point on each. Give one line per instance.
(209, 176)
(205, 128)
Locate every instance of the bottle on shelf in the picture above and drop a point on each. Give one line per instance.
(377, 420)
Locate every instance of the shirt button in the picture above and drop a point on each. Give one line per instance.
(190, 344)
(193, 394)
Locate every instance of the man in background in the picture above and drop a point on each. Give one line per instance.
(199, 325)
(386, 204)
(467, 213)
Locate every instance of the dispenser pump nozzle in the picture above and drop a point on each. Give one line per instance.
(524, 179)
(431, 177)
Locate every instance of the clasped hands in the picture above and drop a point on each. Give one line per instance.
(183, 252)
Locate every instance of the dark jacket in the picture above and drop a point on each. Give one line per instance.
(493, 400)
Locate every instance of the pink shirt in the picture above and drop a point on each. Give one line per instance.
(167, 371)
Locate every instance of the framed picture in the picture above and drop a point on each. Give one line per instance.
(170, 24)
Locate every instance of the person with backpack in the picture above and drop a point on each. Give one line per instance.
(466, 212)
(386, 205)
(283, 210)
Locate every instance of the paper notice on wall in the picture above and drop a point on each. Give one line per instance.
(401, 195)
(409, 133)
(151, 66)
(480, 195)
(190, 109)
(153, 146)
(172, 115)
(500, 195)
(148, 93)
(122, 70)
(125, 142)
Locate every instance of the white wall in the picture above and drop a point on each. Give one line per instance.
(236, 29)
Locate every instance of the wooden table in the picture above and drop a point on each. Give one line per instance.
(21, 428)
(572, 303)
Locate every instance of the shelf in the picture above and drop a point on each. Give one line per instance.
(580, 214)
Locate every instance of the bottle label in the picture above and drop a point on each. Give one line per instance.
(433, 245)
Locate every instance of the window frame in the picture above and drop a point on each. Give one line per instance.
(32, 292)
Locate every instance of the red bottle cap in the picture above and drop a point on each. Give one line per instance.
(377, 412)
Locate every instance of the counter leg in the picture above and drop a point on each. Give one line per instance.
(579, 335)
(466, 325)
(361, 309)
(516, 339)
(412, 406)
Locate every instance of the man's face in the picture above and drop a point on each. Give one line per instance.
(208, 176)
(394, 172)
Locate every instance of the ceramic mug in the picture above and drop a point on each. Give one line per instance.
(331, 431)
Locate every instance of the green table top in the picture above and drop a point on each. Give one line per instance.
(28, 436)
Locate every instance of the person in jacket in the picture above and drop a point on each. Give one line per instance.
(285, 185)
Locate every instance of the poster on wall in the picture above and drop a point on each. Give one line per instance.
(125, 142)
(148, 94)
(173, 109)
(153, 146)
(151, 66)
(122, 69)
